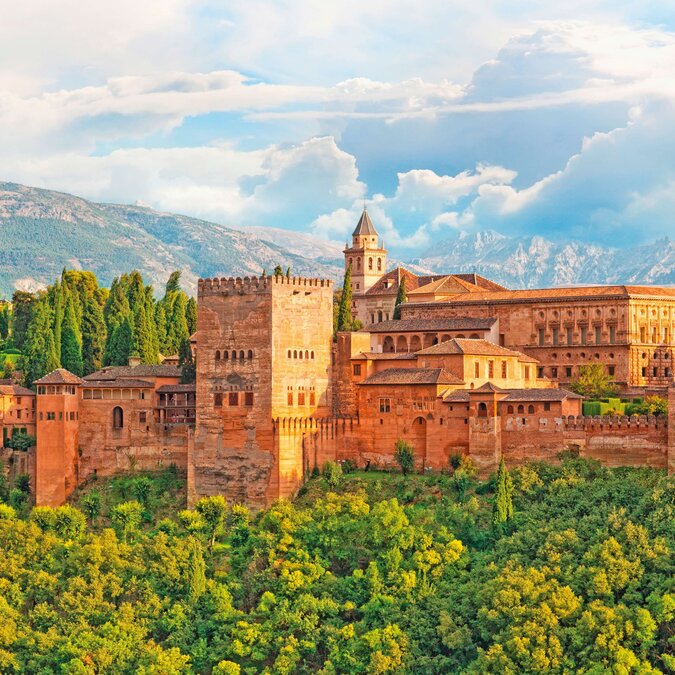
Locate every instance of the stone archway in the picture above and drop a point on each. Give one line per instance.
(482, 409)
(415, 343)
(388, 344)
(401, 344)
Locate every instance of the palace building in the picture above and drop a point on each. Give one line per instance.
(470, 368)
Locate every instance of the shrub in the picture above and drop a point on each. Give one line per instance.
(348, 466)
(332, 474)
(404, 456)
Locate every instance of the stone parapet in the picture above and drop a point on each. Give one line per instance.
(244, 285)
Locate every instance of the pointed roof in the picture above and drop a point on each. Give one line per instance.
(364, 226)
(59, 376)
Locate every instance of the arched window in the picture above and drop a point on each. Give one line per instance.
(295, 353)
(370, 263)
(118, 418)
(521, 409)
(250, 353)
(379, 316)
(379, 264)
(289, 353)
(217, 354)
(509, 410)
(225, 355)
(306, 354)
(474, 336)
(300, 353)
(358, 263)
(482, 410)
(241, 355)
(530, 410)
(312, 353)
(234, 354)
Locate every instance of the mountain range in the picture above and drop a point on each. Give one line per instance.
(44, 231)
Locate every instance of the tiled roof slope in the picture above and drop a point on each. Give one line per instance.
(115, 372)
(59, 376)
(364, 226)
(418, 325)
(473, 347)
(15, 390)
(413, 376)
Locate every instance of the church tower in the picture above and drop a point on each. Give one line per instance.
(367, 255)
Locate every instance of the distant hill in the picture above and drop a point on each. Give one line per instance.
(43, 231)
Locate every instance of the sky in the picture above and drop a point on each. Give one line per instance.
(443, 116)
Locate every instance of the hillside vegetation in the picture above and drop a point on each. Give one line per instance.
(363, 573)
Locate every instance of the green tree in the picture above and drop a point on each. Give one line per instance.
(115, 313)
(196, 570)
(22, 313)
(191, 315)
(213, 510)
(39, 352)
(345, 320)
(141, 489)
(400, 299)
(278, 271)
(8, 370)
(404, 456)
(332, 474)
(593, 381)
(126, 518)
(160, 327)
(177, 327)
(93, 336)
(173, 283)
(4, 322)
(187, 362)
(91, 505)
(71, 340)
(502, 508)
(120, 346)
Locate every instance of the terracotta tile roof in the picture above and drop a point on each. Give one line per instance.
(563, 293)
(412, 281)
(488, 387)
(421, 325)
(447, 284)
(471, 347)
(115, 372)
(117, 383)
(478, 280)
(15, 390)
(364, 226)
(385, 356)
(59, 376)
(515, 395)
(413, 376)
(176, 388)
(552, 394)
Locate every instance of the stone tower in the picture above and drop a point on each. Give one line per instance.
(57, 426)
(264, 355)
(367, 255)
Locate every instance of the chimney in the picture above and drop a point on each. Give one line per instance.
(134, 360)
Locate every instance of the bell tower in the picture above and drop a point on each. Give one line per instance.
(367, 255)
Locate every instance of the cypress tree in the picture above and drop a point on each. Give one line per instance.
(288, 272)
(177, 327)
(196, 570)
(502, 508)
(121, 344)
(39, 353)
(278, 272)
(58, 296)
(400, 299)
(4, 322)
(187, 363)
(345, 320)
(93, 336)
(116, 310)
(160, 327)
(173, 284)
(153, 355)
(71, 340)
(22, 313)
(191, 315)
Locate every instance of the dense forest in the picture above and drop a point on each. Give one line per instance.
(77, 325)
(556, 569)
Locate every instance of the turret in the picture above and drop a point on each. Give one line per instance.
(367, 255)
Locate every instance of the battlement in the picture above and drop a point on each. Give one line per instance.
(587, 423)
(242, 285)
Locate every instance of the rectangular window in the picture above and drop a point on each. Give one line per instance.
(289, 399)
(18, 414)
(491, 369)
(584, 335)
(555, 335)
(527, 372)
(540, 371)
(644, 371)
(233, 398)
(570, 336)
(643, 334)
(598, 335)
(385, 405)
(554, 372)
(612, 334)
(357, 369)
(655, 371)
(51, 416)
(568, 371)
(218, 401)
(312, 398)
(541, 336)
(248, 398)
(654, 334)
(61, 414)
(611, 370)
(504, 372)
(547, 406)
(142, 417)
(301, 398)
(476, 369)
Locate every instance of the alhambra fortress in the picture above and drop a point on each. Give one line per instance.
(469, 368)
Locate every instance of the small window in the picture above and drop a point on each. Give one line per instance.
(312, 398)
(527, 372)
(306, 354)
(118, 418)
(218, 401)
(568, 371)
(611, 370)
(295, 353)
(357, 369)
(289, 399)
(476, 369)
(250, 353)
(300, 353)
(530, 410)
(385, 405)
(491, 369)
(379, 264)
(248, 398)
(289, 353)
(541, 336)
(301, 398)
(504, 371)
(521, 409)
(233, 398)
(509, 410)
(142, 417)
(312, 354)
(547, 405)
(241, 355)
(217, 354)
(370, 263)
